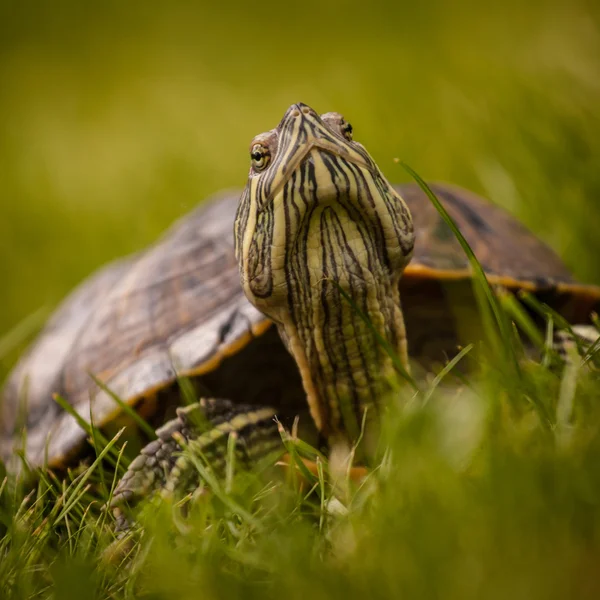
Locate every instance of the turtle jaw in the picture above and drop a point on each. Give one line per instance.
(322, 239)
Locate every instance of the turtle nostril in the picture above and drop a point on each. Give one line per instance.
(306, 110)
(295, 113)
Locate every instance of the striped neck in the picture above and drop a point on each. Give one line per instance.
(335, 277)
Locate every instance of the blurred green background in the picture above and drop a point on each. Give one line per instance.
(115, 118)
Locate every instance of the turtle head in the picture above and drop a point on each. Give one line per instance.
(322, 239)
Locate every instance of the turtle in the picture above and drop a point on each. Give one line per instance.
(273, 303)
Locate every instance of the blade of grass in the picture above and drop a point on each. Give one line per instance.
(188, 392)
(230, 461)
(96, 446)
(92, 432)
(76, 493)
(202, 465)
(548, 344)
(479, 278)
(548, 312)
(566, 399)
(592, 351)
(126, 408)
(323, 494)
(292, 445)
(115, 481)
(398, 366)
(447, 368)
(68, 408)
(513, 308)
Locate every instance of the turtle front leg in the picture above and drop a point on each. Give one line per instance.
(203, 428)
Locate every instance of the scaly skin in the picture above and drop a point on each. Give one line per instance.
(322, 239)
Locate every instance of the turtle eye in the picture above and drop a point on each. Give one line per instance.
(260, 157)
(346, 129)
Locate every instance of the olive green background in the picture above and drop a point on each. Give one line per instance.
(116, 119)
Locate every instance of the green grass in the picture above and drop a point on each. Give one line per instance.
(473, 496)
(114, 120)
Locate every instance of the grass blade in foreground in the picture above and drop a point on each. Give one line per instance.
(480, 280)
(380, 339)
(126, 408)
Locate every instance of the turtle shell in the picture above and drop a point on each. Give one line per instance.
(509, 253)
(177, 308)
(437, 299)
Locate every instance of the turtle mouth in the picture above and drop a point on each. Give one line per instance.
(304, 162)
